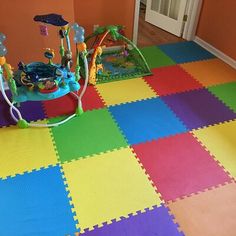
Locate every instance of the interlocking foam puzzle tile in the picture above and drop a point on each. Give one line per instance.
(35, 204)
(226, 93)
(155, 57)
(24, 150)
(198, 108)
(125, 91)
(108, 186)
(146, 120)
(67, 104)
(179, 166)
(171, 79)
(26, 109)
(185, 52)
(91, 133)
(211, 72)
(212, 213)
(220, 140)
(150, 223)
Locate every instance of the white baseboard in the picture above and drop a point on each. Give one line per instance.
(230, 61)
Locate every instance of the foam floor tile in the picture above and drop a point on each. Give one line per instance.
(125, 91)
(212, 213)
(211, 72)
(151, 223)
(198, 108)
(179, 166)
(155, 57)
(108, 186)
(146, 120)
(35, 204)
(91, 133)
(220, 140)
(67, 104)
(31, 111)
(226, 93)
(25, 150)
(185, 52)
(171, 79)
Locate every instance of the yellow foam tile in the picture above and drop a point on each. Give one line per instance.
(220, 140)
(23, 150)
(108, 186)
(211, 72)
(125, 91)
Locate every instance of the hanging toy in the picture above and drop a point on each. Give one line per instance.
(43, 30)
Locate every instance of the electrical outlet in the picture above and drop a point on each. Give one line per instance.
(95, 27)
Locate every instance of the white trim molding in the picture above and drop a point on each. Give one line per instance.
(230, 61)
(193, 12)
(136, 21)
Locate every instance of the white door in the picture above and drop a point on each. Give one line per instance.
(166, 14)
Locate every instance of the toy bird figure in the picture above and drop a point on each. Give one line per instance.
(49, 54)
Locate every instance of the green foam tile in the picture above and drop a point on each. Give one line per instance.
(226, 93)
(91, 133)
(155, 57)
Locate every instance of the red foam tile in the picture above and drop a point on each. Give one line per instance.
(179, 166)
(67, 104)
(171, 79)
(92, 100)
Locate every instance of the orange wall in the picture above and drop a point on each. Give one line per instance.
(217, 25)
(24, 43)
(105, 12)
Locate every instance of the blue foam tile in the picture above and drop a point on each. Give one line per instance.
(35, 204)
(150, 223)
(146, 120)
(185, 52)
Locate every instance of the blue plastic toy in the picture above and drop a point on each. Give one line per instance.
(40, 81)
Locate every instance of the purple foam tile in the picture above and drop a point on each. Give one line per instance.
(31, 111)
(151, 223)
(198, 108)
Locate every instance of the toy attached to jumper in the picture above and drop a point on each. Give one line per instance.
(114, 57)
(40, 81)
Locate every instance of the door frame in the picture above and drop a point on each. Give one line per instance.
(193, 11)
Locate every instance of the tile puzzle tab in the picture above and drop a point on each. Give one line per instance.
(146, 120)
(93, 132)
(210, 213)
(183, 52)
(220, 140)
(36, 204)
(108, 186)
(25, 150)
(211, 72)
(125, 91)
(150, 223)
(179, 166)
(155, 57)
(198, 108)
(226, 93)
(171, 79)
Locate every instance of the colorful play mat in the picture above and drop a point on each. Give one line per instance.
(150, 156)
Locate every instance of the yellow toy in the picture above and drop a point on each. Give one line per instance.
(94, 68)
